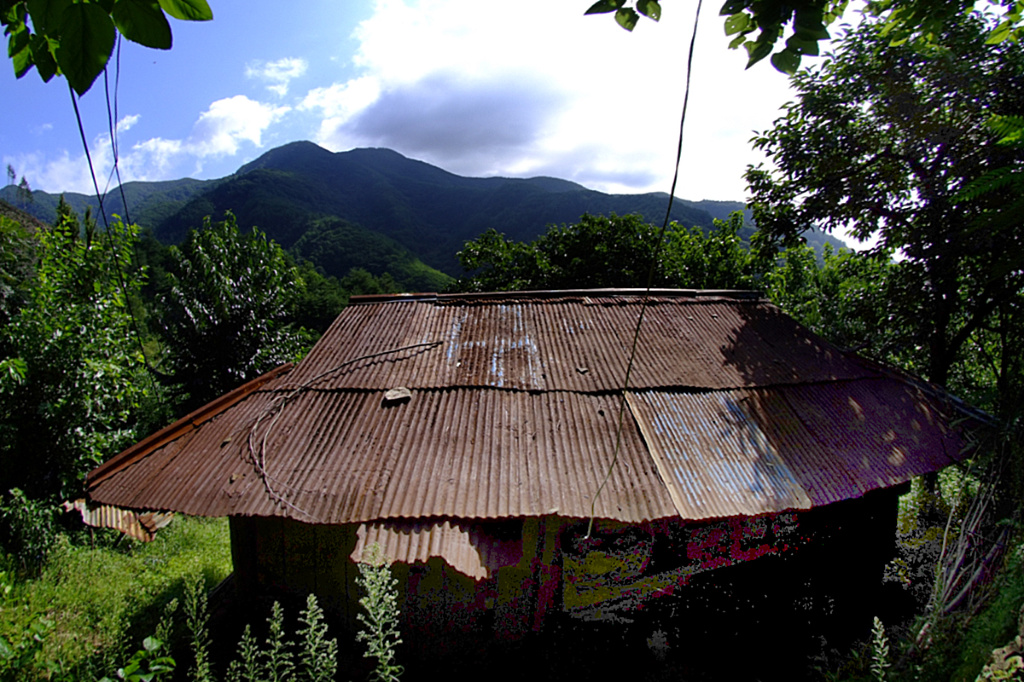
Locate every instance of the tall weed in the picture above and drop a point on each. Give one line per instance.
(380, 622)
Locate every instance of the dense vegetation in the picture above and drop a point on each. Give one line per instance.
(406, 217)
(106, 334)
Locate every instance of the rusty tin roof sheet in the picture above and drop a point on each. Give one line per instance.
(510, 410)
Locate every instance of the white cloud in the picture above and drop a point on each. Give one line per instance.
(337, 103)
(542, 89)
(277, 74)
(127, 122)
(220, 131)
(230, 121)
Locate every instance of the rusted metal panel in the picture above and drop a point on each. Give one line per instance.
(571, 344)
(472, 549)
(713, 455)
(139, 525)
(748, 452)
(345, 457)
(512, 406)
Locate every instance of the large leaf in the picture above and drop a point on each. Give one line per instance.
(802, 46)
(649, 8)
(627, 18)
(733, 7)
(787, 61)
(737, 23)
(87, 39)
(42, 56)
(1000, 33)
(758, 51)
(188, 10)
(143, 22)
(46, 14)
(605, 6)
(18, 50)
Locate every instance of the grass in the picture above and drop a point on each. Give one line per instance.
(99, 603)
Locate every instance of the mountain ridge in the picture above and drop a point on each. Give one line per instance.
(404, 210)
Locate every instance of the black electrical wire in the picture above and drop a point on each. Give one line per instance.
(650, 277)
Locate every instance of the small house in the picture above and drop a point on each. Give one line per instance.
(485, 443)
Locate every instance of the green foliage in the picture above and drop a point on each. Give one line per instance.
(275, 660)
(320, 300)
(879, 141)
(146, 664)
(16, 266)
(922, 23)
(20, 649)
(318, 655)
(224, 318)
(28, 528)
(277, 656)
(337, 246)
(246, 667)
(359, 282)
(72, 375)
(380, 622)
(600, 251)
(711, 259)
(879, 651)
(197, 618)
(97, 598)
(76, 38)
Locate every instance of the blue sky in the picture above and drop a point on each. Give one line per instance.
(479, 89)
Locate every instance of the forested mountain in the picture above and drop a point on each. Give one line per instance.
(374, 208)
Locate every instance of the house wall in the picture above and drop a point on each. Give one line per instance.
(786, 573)
(280, 557)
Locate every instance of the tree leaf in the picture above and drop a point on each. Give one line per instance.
(18, 50)
(605, 6)
(46, 14)
(999, 33)
(42, 56)
(733, 7)
(802, 45)
(649, 8)
(143, 22)
(627, 18)
(787, 61)
(737, 41)
(737, 23)
(87, 39)
(757, 51)
(188, 10)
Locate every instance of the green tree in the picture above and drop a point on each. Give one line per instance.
(359, 282)
(716, 259)
(320, 300)
(225, 317)
(920, 22)
(611, 251)
(881, 140)
(17, 264)
(72, 374)
(596, 251)
(75, 38)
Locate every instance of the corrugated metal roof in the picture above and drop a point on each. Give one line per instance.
(734, 409)
(139, 525)
(468, 548)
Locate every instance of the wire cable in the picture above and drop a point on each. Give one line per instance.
(650, 278)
